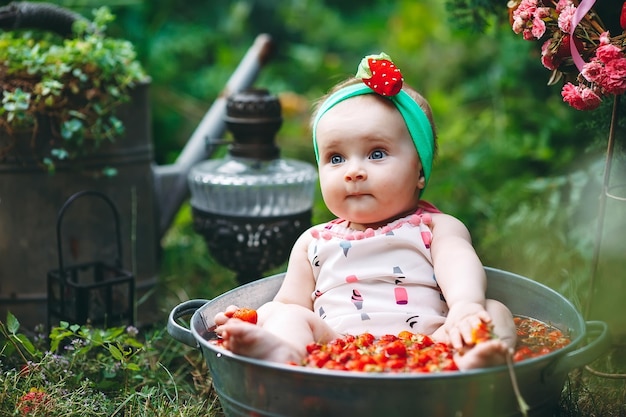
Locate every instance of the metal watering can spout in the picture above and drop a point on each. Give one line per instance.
(170, 181)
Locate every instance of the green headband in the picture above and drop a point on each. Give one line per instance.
(416, 121)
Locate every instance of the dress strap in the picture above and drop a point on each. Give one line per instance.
(424, 206)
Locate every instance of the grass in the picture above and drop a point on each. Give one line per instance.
(597, 390)
(84, 371)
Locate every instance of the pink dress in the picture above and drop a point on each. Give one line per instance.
(378, 281)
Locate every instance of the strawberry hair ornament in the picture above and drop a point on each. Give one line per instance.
(380, 74)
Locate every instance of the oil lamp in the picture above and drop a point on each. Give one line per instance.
(251, 205)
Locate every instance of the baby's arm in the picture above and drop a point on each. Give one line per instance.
(299, 283)
(285, 325)
(461, 277)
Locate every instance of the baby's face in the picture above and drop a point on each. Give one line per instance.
(368, 166)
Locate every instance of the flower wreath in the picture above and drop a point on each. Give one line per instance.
(576, 46)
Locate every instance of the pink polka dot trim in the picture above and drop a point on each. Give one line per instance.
(336, 228)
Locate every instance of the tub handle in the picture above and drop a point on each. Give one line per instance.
(179, 332)
(599, 331)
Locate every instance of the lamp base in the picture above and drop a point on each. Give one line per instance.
(250, 246)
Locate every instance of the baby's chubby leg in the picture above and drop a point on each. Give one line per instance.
(503, 324)
(281, 334)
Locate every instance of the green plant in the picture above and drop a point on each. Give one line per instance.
(67, 89)
(84, 371)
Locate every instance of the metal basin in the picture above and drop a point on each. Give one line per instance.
(251, 387)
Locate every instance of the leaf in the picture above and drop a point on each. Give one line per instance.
(30, 348)
(116, 353)
(114, 332)
(13, 324)
(59, 153)
(96, 338)
(71, 127)
(133, 367)
(56, 338)
(133, 342)
(49, 165)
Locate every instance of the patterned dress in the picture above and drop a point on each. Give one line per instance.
(378, 281)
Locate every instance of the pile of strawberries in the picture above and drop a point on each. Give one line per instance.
(406, 352)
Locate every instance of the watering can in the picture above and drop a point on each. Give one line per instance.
(148, 196)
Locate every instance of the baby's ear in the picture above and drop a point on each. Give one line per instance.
(421, 184)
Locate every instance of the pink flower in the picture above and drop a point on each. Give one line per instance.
(528, 35)
(605, 38)
(562, 4)
(565, 19)
(580, 97)
(523, 15)
(608, 52)
(547, 57)
(607, 69)
(518, 25)
(614, 80)
(593, 71)
(539, 28)
(542, 12)
(526, 6)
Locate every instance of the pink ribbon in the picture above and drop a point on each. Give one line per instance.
(581, 11)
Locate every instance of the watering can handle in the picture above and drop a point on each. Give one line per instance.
(599, 331)
(177, 331)
(34, 15)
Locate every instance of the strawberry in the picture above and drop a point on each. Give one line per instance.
(481, 333)
(380, 74)
(245, 314)
(622, 17)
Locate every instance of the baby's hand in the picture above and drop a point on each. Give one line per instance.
(462, 322)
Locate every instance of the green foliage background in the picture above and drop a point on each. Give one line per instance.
(516, 164)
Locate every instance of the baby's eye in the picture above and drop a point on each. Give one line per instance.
(336, 159)
(378, 154)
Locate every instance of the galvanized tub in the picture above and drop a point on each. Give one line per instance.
(251, 387)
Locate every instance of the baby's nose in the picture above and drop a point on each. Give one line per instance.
(355, 172)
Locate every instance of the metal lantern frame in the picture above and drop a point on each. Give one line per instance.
(86, 292)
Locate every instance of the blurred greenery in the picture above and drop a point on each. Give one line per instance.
(515, 163)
